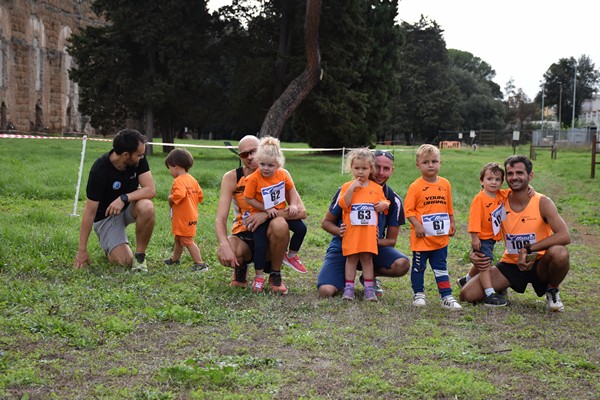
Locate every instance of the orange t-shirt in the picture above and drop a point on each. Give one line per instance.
(360, 218)
(431, 204)
(273, 187)
(480, 214)
(186, 194)
(523, 227)
(240, 206)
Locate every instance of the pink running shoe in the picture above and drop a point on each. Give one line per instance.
(294, 263)
(258, 284)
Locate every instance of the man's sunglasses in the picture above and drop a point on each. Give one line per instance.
(387, 154)
(246, 154)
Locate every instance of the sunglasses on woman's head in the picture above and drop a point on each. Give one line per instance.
(387, 154)
(246, 154)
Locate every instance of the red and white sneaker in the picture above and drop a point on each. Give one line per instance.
(258, 284)
(294, 263)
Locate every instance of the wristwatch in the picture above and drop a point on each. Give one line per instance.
(124, 198)
(528, 248)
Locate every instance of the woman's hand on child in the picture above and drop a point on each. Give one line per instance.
(272, 212)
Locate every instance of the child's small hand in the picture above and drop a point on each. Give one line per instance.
(530, 191)
(271, 212)
(292, 210)
(476, 245)
(419, 230)
(357, 183)
(381, 206)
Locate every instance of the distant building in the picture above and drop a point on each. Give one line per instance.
(590, 112)
(36, 94)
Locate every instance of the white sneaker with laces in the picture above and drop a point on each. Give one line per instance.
(419, 300)
(553, 302)
(450, 303)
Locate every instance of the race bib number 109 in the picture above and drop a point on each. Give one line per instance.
(516, 242)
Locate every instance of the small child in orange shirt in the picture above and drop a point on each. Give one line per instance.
(268, 189)
(360, 200)
(428, 207)
(184, 198)
(485, 216)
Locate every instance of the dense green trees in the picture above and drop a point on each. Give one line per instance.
(174, 63)
(148, 60)
(559, 81)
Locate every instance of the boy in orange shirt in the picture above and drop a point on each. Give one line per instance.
(428, 206)
(485, 217)
(184, 198)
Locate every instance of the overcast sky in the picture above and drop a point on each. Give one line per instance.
(520, 39)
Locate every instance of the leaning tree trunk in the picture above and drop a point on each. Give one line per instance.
(300, 87)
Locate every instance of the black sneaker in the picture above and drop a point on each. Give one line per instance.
(461, 282)
(494, 300)
(200, 267)
(170, 261)
(240, 276)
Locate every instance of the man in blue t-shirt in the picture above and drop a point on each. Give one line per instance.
(389, 262)
(120, 189)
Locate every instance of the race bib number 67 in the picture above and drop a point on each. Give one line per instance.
(436, 224)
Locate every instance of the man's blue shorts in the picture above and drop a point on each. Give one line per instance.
(334, 265)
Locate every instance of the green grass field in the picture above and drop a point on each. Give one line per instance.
(105, 333)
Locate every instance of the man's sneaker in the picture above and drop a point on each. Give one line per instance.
(170, 261)
(376, 285)
(258, 284)
(553, 302)
(378, 288)
(240, 276)
(348, 293)
(276, 284)
(419, 300)
(294, 263)
(495, 300)
(450, 303)
(139, 266)
(461, 282)
(200, 267)
(370, 294)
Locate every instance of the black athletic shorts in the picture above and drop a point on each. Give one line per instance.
(519, 279)
(248, 238)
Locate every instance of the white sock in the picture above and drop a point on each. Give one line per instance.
(292, 254)
(468, 277)
(489, 291)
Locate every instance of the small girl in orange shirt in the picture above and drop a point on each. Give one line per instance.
(360, 200)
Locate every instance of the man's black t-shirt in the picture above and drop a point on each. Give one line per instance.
(106, 182)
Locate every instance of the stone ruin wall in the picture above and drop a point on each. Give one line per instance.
(36, 94)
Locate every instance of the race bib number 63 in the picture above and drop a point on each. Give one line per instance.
(363, 214)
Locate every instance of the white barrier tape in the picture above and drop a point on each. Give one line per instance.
(14, 136)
